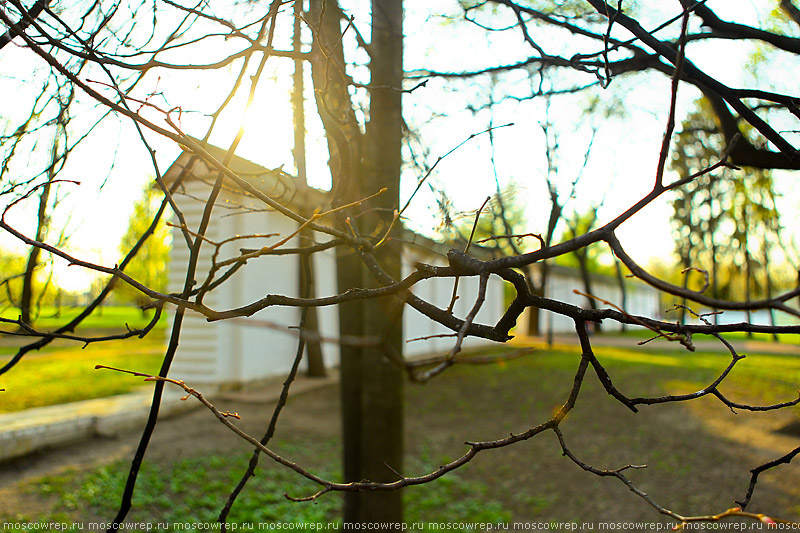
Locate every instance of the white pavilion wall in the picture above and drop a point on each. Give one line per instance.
(197, 360)
(250, 349)
(641, 300)
(439, 291)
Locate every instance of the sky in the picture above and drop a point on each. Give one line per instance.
(113, 167)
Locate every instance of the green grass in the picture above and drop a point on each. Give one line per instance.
(67, 374)
(189, 487)
(761, 377)
(105, 317)
(644, 333)
(756, 378)
(193, 488)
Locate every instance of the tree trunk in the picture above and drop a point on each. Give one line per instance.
(351, 326)
(372, 386)
(712, 231)
(344, 148)
(747, 296)
(686, 262)
(587, 281)
(748, 272)
(314, 357)
(42, 221)
(382, 424)
(533, 317)
(26, 298)
(768, 288)
(622, 291)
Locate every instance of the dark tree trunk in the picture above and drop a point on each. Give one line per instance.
(622, 291)
(748, 267)
(712, 231)
(344, 146)
(314, 356)
(351, 326)
(587, 280)
(748, 270)
(686, 261)
(42, 220)
(382, 424)
(539, 288)
(372, 385)
(26, 298)
(315, 359)
(534, 314)
(768, 288)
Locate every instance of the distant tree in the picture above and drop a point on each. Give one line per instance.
(501, 225)
(149, 267)
(51, 113)
(724, 223)
(43, 289)
(587, 257)
(12, 265)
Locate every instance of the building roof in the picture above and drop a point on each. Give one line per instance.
(275, 183)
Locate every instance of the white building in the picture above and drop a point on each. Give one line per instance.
(562, 282)
(233, 352)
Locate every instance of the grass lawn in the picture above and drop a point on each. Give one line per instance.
(191, 489)
(106, 317)
(698, 454)
(644, 333)
(64, 371)
(66, 374)
(764, 378)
